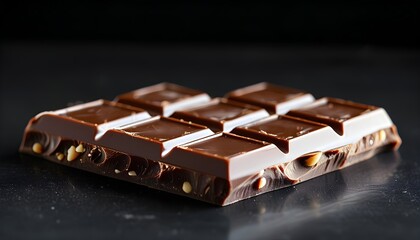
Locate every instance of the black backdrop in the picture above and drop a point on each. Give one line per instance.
(392, 24)
(59, 53)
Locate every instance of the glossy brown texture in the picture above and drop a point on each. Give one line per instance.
(163, 129)
(157, 97)
(332, 112)
(102, 113)
(278, 130)
(265, 95)
(216, 114)
(225, 146)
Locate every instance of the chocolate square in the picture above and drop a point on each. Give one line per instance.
(279, 130)
(333, 112)
(273, 98)
(222, 114)
(164, 98)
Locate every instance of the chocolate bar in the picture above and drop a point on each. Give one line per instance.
(219, 151)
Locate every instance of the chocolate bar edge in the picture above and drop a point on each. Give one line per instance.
(198, 185)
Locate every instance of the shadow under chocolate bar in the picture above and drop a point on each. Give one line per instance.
(220, 151)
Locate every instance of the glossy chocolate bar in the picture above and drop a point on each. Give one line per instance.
(219, 151)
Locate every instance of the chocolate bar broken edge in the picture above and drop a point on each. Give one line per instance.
(199, 185)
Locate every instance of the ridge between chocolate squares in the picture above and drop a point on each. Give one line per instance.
(183, 155)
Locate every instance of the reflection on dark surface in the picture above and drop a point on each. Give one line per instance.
(59, 198)
(327, 194)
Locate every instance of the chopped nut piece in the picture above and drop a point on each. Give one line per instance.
(261, 182)
(371, 141)
(117, 171)
(132, 173)
(309, 160)
(37, 148)
(186, 187)
(382, 135)
(59, 156)
(72, 154)
(80, 148)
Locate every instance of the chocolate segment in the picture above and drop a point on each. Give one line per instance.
(100, 113)
(273, 98)
(162, 129)
(280, 130)
(222, 114)
(153, 138)
(333, 112)
(88, 121)
(164, 98)
(225, 155)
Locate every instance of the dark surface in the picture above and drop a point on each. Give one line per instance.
(39, 199)
(296, 22)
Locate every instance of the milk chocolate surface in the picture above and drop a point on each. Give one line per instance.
(222, 114)
(152, 138)
(278, 130)
(333, 112)
(103, 112)
(163, 129)
(225, 155)
(225, 146)
(163, 98)
(273, 98)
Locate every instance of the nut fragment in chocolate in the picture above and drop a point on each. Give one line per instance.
(72, 154)
(80, 148)
(186, 187)
(260, 183)
(59, 156)
(37, 148)
(309, 160)
(382, 135)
